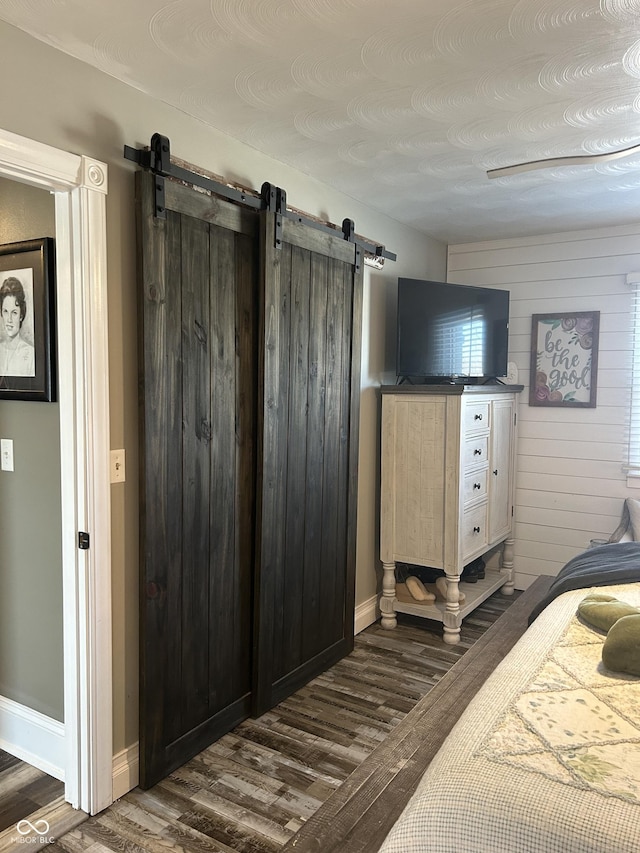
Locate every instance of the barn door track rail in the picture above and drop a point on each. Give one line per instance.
(157, 160)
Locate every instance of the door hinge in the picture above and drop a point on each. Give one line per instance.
(83, 541)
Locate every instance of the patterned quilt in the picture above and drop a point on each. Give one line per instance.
(546, 757)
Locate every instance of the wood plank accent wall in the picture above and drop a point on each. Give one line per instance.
(570, 480)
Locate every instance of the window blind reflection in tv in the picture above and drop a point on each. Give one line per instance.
(451, 331)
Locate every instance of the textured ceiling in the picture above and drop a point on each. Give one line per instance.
(402, 104)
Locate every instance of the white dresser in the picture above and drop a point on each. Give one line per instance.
(447, 484)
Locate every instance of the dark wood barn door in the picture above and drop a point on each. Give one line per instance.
(250, 371)
(198, 315)
(310, 389)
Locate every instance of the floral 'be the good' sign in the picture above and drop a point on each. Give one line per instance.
(564, 359)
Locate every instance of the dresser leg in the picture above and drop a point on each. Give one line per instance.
(507, 566)
(451, 617)
(388, 597)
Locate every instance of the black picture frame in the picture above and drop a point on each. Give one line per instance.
(27, 320)
(564, 359)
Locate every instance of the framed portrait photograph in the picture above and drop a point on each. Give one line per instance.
(27, 320)
(564, 359)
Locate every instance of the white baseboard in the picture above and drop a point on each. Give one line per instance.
(125, 771)
(32, 737)
(366, 614)
(523, 581)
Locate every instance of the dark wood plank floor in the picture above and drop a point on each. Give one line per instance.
(358, 816)
(254, 788)
(23, 790)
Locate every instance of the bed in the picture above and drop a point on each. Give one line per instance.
(546, 757)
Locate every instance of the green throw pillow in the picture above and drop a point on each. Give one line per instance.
(621, 649)
(602, 611)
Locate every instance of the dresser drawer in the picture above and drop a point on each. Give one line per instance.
(474, 486)
(474, 530)
(475, 416)
(475, 451)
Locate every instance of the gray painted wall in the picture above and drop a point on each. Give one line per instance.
(31, 645)
(62, 102)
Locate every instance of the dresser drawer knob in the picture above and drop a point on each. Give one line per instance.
(495, 471)
(477, 485)
(476, 530)
(477, 417)
(477, 452)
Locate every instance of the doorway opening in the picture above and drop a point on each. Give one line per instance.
(79, 186)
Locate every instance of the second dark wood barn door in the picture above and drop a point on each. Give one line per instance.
(198, 314)
(307, 474)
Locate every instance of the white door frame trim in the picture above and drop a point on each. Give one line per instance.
(80, 187)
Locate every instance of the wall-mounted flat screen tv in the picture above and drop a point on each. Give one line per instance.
(451, 332)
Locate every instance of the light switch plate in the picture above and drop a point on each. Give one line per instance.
(6, 454)
(117, 466)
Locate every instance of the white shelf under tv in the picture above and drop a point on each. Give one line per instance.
(475, 594)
